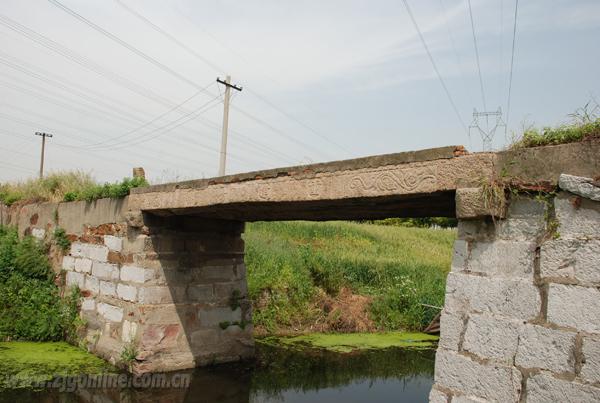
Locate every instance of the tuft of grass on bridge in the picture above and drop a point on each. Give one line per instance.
(572, 133)
(291, 264)
(65, 186)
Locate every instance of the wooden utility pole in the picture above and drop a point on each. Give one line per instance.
(44, 135)
(228, 86)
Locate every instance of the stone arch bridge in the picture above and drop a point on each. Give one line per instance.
(521, 322)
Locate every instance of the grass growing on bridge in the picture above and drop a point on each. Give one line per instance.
(297, 271)
(65, 186)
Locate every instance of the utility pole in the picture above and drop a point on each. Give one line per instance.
(44, 135)
(227, 96)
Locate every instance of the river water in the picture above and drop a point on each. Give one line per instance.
(282, 376)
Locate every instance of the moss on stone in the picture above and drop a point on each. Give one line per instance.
(348, 342)
(23, 363)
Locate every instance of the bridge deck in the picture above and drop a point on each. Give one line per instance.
(410, 184)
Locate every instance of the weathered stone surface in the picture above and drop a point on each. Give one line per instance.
(460, 255)
(543, 388)
(545, 348)
(127, 292)
(451, 328)
(493, 382)
(577, 219)
(590, 369)
(38, 233)
(128, 331)
(502, 258)
(88, 304)
(210, 317)
(492, 337)
(526, 220)
(92, 284)
(437, 396)
(105, 271)
(68, 263)
(474, 203)
(161, 294)
(74, 278)
(110, 312)
(468, 399)
(580, 186)
(516, 298)
(113, 243)
(136, 274)
(83, 265)
(574, 306)
(571, 259)
(200, 293)
(95, 252)
(107, 288)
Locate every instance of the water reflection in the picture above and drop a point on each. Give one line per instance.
(281, 375)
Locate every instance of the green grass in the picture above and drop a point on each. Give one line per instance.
(22, 363)
(291, 263)
(349, 342)
(65, 186)
(575, 132)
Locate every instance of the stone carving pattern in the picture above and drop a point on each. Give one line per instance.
(407, 180)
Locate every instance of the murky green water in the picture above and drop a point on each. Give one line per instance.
(280, 375)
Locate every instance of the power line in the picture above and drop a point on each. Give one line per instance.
(477, 55)
(512, 61)
(414, 21)
(220, 69)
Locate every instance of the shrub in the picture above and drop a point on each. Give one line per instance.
(31, 305)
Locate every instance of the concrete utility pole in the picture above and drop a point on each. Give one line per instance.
(44, 135)
(227, 96)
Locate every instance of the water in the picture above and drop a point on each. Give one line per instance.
(282, 376)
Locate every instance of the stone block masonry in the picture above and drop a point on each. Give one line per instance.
(172, 288)
(521, 321)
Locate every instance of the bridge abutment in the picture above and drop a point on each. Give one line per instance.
(521, 321)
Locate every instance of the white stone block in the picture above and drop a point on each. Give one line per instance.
(516, 298)
(544, 388)
(590, 370)
(156, 295)
(212, 316)
(88, 304)
(92, 284)
(580, 185)
(68, 263)
(136, 274)
(502, 258)
(113, 243)
(127, 292)
(451, 328)
(574, 306)
(571, 259)
(460, 255)
(110, 312)
(129, 331)
(83, 265)
(494, 382)
(492, 337)
(38, 233)
(437, 396)
(551, 349)
(105, 271)
(577, 222)
(75, 279)
(95, 252)
(107, 288)
(468, 399)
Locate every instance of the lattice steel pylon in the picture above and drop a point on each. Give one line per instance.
(487, 134)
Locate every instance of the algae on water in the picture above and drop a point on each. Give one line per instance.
(348, 342)
(23, 363)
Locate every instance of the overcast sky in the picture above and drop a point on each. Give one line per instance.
(347, 78)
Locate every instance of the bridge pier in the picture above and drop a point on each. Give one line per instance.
(169, 291)
(521, 321)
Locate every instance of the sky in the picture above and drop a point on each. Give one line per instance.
(127, 83)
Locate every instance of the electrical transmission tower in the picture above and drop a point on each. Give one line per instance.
(487, 130)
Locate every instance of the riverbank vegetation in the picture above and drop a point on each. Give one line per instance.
(65, 186)
(344, 276)
(32, 308)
